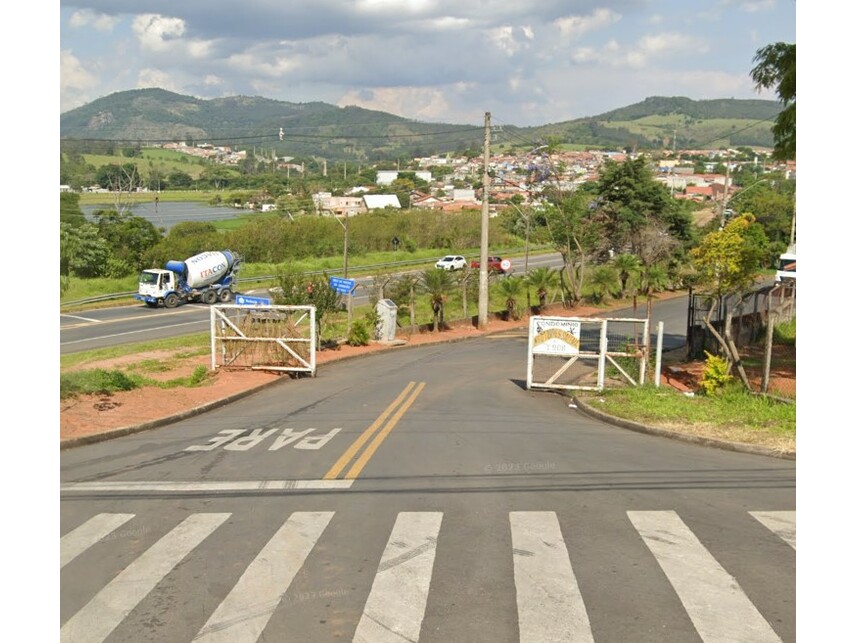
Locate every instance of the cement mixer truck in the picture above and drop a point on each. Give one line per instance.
(208, 277)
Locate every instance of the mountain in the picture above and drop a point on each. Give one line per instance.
(322, 130)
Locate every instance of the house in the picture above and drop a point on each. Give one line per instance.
(380, 201)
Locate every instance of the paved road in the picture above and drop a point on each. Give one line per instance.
(107, 327)
(422, 494)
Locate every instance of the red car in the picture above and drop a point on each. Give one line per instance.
(495, 264)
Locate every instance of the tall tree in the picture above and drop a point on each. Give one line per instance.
(776, 66)
(726, 263)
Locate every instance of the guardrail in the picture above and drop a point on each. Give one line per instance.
(262, 278)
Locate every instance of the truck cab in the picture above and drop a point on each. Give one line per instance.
(158, 287)
(787, 265)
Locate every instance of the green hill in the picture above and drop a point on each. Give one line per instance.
(151, 116)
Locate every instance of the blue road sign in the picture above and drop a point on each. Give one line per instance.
(343, 286)
(244, 300)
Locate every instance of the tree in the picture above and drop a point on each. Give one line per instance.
(129, 237)
(627, 265)
(776, 66)
(511, 288)
(543, 279)
(629, 198)
(297, 289)
(70, 211)
(405, 288)
(437, 285)
(726, 265)
(82, 252)
(603, 282)
(576, 237)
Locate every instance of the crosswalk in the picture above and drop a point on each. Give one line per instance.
(551, 605)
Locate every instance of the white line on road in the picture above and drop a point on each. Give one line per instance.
(136, 332)
(86, 319)
(243, 614)
(396, 605)
(98, 618)
(550, 607)
(82, 538)
(718, 607)
(209, 485)
(782, 523)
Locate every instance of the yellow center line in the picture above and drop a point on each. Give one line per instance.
(346, 457)
(357, 467)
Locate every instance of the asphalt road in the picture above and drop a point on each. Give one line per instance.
(89, 330)
(422, 494)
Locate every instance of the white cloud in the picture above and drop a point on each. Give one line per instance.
(89, 18)
(156, 78)
(576, 26)
(73, 76)
(155, 32)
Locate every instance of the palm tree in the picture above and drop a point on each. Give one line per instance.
(410, 283)
(543, 279)
(603, 282)
(627, 265)
(436, 284)
(512, 288)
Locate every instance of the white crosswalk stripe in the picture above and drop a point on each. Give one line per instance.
(782, 523)
(242, 616)
(550, 607)
(718, 607)
(550, 604)
(396, 605)
(78, 541)
(113, 603)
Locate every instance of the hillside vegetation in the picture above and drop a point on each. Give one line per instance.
(352, 133)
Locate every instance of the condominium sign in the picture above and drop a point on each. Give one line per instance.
(554, 336)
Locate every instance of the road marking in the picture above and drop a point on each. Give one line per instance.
(86, 319)
(98, 618)
(136, 332)
(396, 605)
(716, 604)
(349, 454)
(208, 485)
(550, 606)
(82, 538)
(782, 523)
(245, 611)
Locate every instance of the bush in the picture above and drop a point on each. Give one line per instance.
(716, 374)
(786, 333)
(359, 335)
(97, 381)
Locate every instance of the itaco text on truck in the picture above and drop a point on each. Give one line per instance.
(208, 277)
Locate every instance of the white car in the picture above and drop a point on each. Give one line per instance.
(451, 262)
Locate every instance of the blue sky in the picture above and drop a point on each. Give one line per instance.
(527, 62)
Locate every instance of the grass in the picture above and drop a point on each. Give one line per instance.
(733, 415)
(186, 346)
(101, 381)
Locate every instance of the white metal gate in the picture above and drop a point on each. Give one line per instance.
(263, 337)
(561, 350)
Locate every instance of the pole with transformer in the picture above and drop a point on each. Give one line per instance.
(483, 246)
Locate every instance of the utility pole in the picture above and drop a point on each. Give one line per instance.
(725, 194)
(483, 246)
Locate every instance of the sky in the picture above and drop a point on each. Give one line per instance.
(527, 62)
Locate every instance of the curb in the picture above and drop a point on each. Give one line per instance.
(675, 435)
(154, 424)
(198, 410)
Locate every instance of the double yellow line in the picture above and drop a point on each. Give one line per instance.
(394, 412)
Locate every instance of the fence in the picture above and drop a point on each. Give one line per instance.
(271, 338)
(763, 328)
(562, 350)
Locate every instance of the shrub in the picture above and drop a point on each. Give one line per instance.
(359, 335)
(97, 381)
(786, 333)
(716, 374)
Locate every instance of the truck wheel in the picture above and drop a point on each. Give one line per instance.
(171, 300)
(209, 297)
(225, 296)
